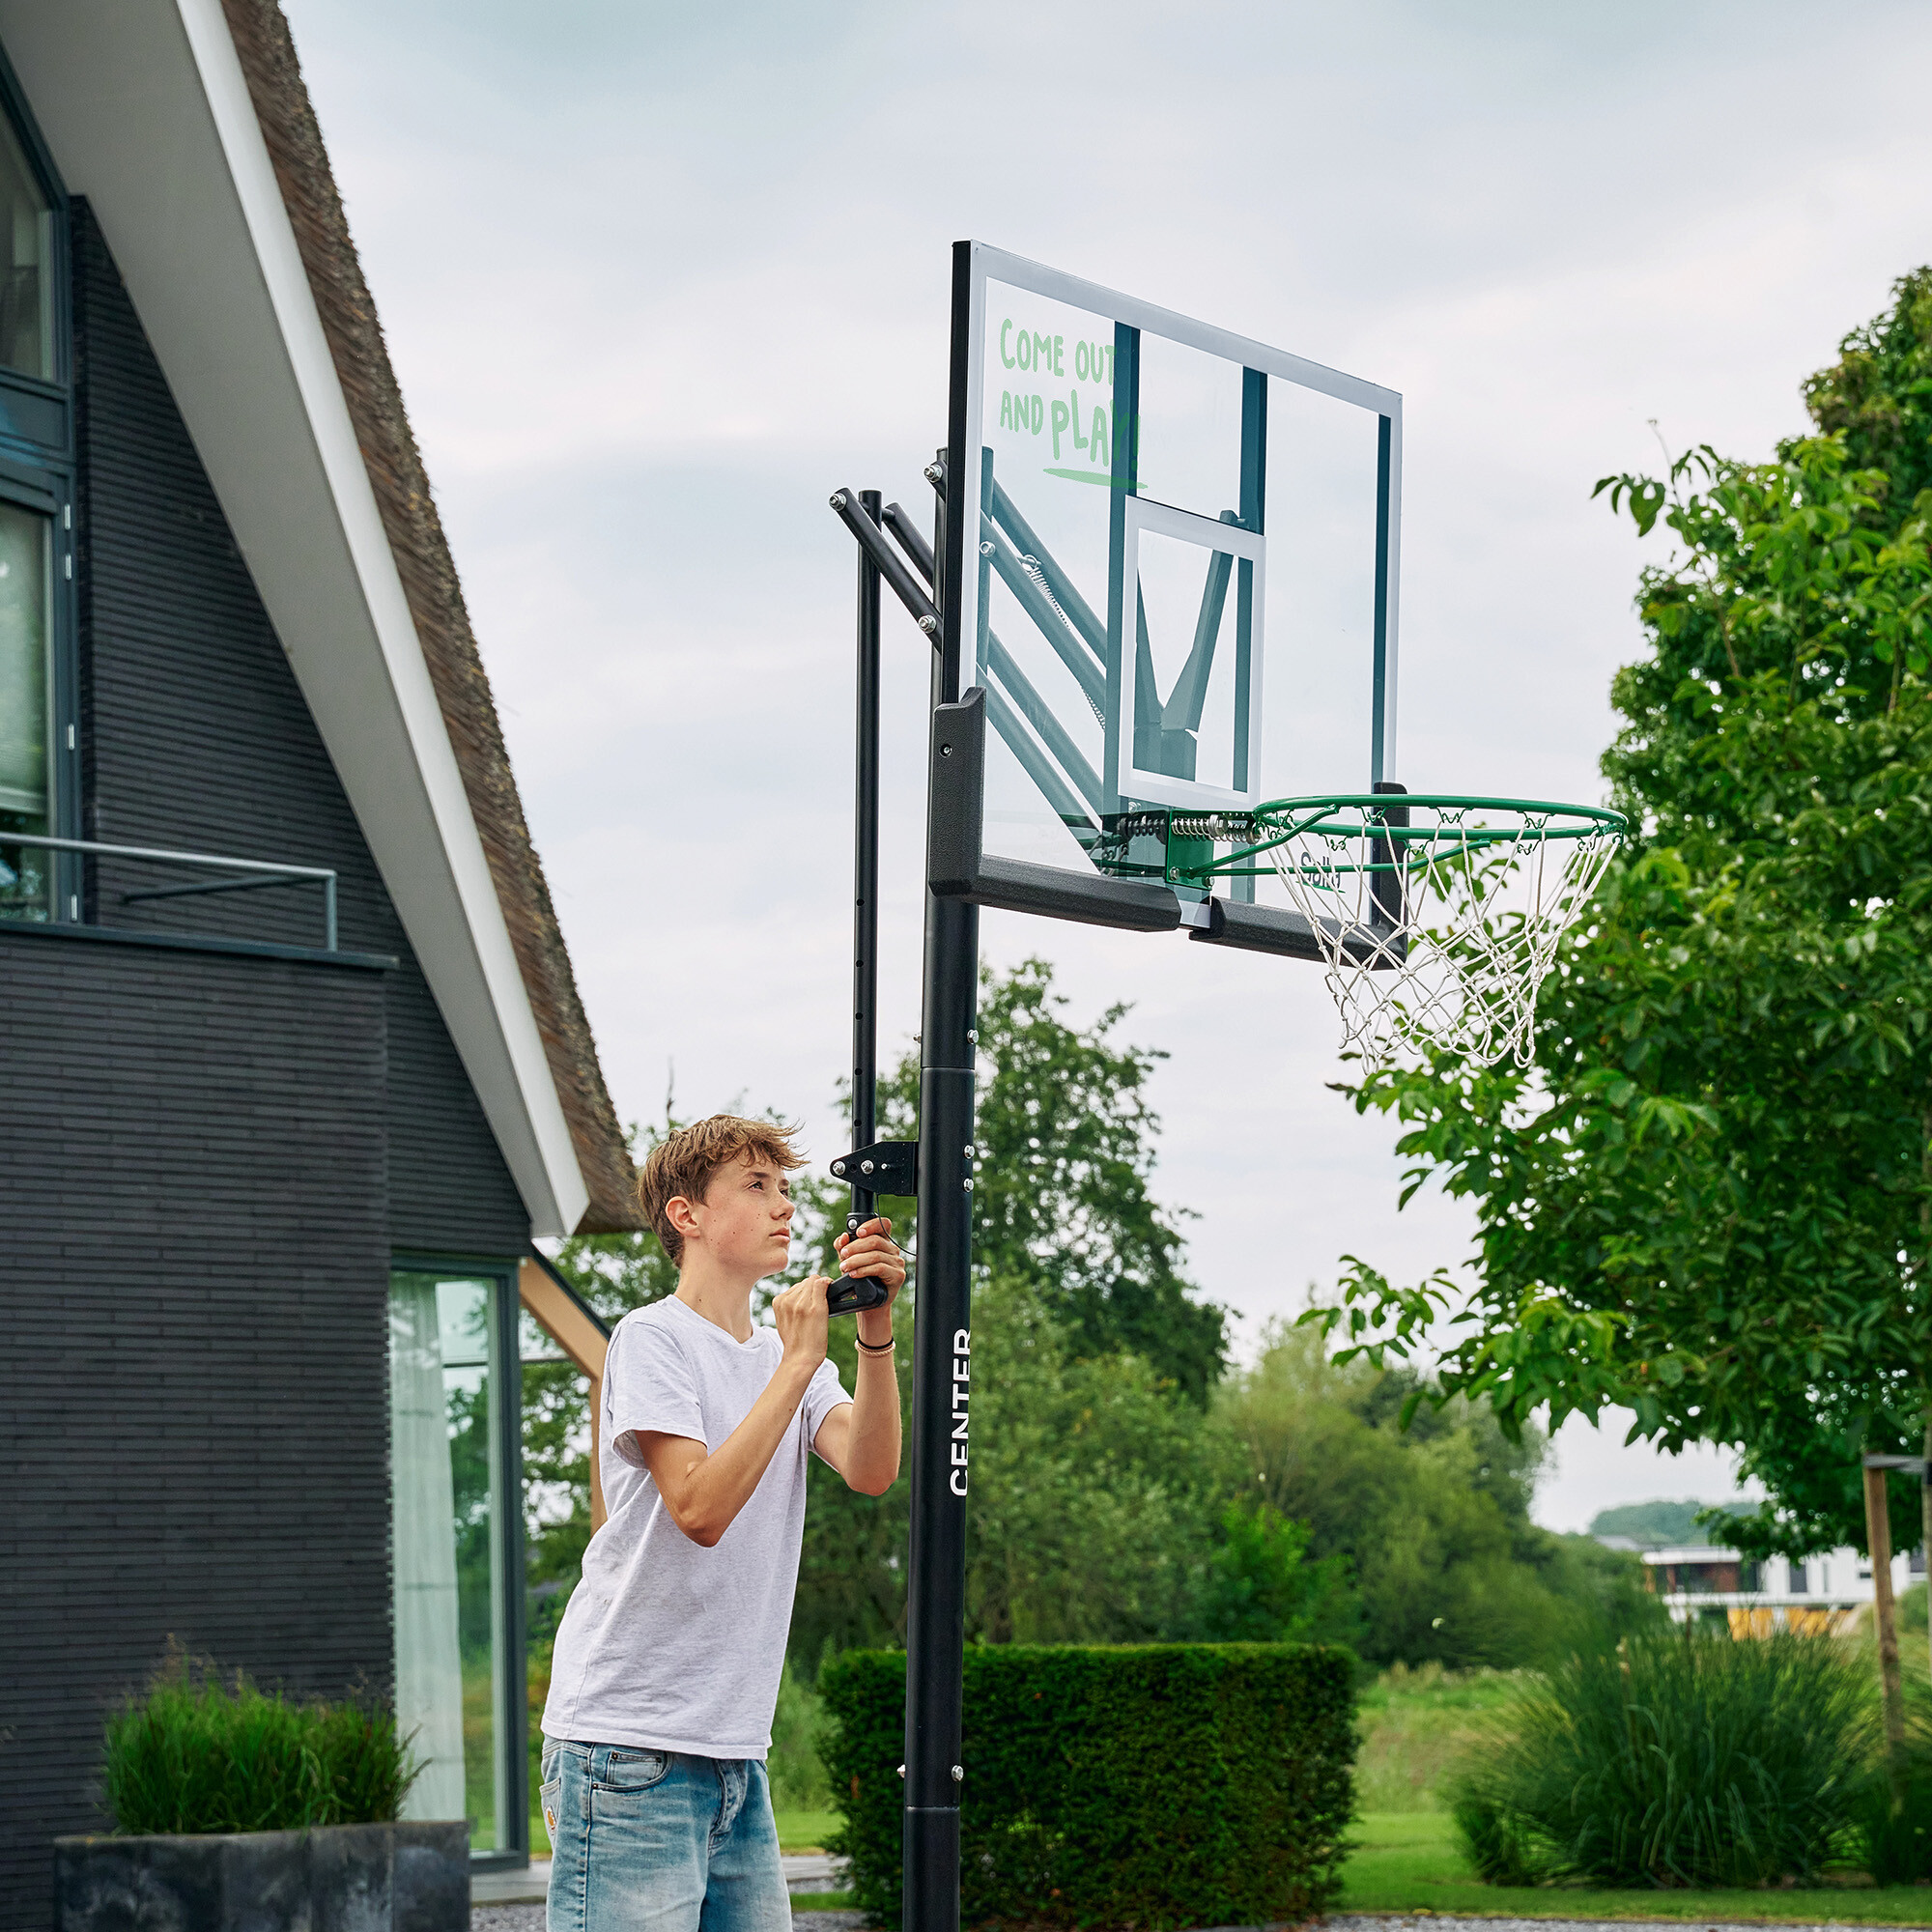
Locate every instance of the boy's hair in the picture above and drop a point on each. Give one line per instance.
(682, 1164)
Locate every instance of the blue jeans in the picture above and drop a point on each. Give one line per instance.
(658, 1841)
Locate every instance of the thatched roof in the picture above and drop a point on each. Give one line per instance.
(267, 55)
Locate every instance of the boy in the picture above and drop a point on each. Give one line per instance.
(665, 1670)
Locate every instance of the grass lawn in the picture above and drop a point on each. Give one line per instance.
(1410, 1861)
(1415, 1723)
(805, 1830)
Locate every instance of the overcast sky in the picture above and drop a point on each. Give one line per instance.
(656, 280)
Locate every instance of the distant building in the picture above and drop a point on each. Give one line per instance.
(1707, 1584)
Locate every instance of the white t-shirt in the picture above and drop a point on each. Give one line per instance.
(664, 1644)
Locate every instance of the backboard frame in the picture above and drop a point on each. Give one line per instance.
(1061, 891)
(962, 589)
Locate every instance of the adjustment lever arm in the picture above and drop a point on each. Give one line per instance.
(886, 560)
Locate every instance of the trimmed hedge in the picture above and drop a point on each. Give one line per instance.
(1154, 1786)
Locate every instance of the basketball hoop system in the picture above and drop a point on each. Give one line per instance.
(1438, 916)
(1121, 492)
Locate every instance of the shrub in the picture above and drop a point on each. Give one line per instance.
(1895, 1816)
(1154, 1786)
(796, 1774)
(1680, 1757)
(193, 1756)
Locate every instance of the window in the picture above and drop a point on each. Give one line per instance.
(39, 675)
(26, 708)
(27, 279)
(1800, 1584)
(454, 1405)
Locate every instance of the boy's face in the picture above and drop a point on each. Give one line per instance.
(743, 1221)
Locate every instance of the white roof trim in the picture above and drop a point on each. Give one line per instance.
(148, 113)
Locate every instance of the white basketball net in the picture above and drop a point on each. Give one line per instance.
(1438, 934)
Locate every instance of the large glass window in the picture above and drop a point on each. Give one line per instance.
(26, 707)
(453, 1467)
(26, 270)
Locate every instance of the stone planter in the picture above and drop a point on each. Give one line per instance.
(339, 1878)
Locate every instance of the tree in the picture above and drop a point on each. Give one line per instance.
(1067, 1144)
(1662, 1524)
(1431, 1521)
(1712, 1197)
(1088, 1344)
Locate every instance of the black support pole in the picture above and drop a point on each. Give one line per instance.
(941, 1344)
(865, 873)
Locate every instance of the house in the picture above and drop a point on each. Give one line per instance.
(1706, 1584)
(294, 1069)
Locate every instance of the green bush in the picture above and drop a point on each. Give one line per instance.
(194, 1755)
(1154, 1786)
(793, 1767)
(1895, 1817)
(1680, 1757)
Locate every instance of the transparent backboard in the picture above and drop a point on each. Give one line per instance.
(1182, 588)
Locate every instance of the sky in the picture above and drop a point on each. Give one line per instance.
(657, 280)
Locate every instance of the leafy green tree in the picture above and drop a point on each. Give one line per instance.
(1431, 1520)
(1261, 1586)
(1066, 1141)
(1662, 1524)
(1085, 1332)
(1711, 1198)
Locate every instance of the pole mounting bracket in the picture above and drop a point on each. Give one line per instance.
(886, 1167)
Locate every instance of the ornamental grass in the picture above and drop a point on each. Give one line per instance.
(195, 1754)
(1680, 1757)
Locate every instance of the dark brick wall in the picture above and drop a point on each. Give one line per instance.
(195, 736)
(193, 1248)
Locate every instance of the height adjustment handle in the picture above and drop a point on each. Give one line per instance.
(886, 1167)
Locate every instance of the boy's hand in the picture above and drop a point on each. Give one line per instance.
(803, 1322)
(870, 1252)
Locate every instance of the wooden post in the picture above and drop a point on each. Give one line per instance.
(1878, 1540)
(1925, 1522)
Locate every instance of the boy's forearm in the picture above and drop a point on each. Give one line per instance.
(872, 1451)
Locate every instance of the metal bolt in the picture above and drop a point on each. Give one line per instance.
(945, 751)
(837, 1167)
(986, 550)
(969, 1188)
(973, 1035)
(933, 472)
(958, 1774)
(865, 1167)
(901, 1770)
(969, 1150)
(838, 502)
(928, 625)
